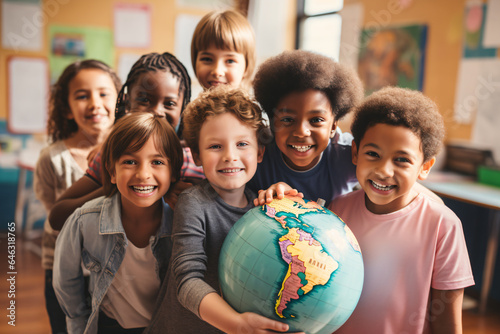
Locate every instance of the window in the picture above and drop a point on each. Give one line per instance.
(319, 25)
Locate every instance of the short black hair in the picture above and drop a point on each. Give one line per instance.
(299, 70)
(401, 107)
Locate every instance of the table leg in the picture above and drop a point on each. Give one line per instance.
(19, 212)
(489, 263)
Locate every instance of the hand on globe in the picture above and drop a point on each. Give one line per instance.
(292, 261)
(278, 190)
(255, 323)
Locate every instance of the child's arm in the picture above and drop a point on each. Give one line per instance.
(446, 311)
(218, 313)
(278, 190)
(74, 197)
(174, 191)
(190, 263)
(68, 278)
(43, 181)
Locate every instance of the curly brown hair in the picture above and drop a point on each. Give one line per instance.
(402, 107)
(130, 133)
(59, 127)
(299, 70)
(220, 100)
(226, 30)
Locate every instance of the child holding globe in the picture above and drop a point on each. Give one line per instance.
(414, 252)
(222, 128)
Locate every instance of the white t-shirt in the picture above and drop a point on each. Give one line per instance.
(405, 253)
(131, 298)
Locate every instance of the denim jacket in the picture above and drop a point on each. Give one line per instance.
(94, 234)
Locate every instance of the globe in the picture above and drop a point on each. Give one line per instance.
(293, 261)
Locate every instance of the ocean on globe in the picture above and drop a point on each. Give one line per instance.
(293, 261)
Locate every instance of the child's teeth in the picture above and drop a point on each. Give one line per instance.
(382, 187)
(234, 170)
(144, 190)
(302, 148)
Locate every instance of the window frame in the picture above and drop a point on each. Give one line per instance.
(302, 17)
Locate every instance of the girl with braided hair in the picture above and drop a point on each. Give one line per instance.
(156, 83)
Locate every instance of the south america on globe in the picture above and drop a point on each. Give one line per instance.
(293, 261)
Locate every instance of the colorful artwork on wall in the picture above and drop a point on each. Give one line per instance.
(392, 56)
(69, 44)
(474, 21)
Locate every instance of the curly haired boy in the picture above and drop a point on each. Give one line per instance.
(414, 252)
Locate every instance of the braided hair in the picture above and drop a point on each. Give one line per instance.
(155, 62)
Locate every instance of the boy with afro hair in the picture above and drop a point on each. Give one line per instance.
(414, 252)
(305, 95)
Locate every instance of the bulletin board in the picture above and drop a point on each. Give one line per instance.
(28, 92)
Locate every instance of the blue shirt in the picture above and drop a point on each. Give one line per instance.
(333, 175)
(94, 235)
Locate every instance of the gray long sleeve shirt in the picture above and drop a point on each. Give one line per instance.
(201, 222)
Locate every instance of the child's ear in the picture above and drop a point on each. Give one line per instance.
(196, 158)
(426, 168)
(354, 153)
(334, 129)
(260, 153)
(113, 177)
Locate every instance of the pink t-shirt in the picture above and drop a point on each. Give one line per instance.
(405, 253)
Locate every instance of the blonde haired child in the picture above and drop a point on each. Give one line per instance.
(222, 127)
(223, 50)
(123, 238)
(414, 252)
(82, 109)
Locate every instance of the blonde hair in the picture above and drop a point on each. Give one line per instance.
(226, 30)
(217, 101)
(130, 133)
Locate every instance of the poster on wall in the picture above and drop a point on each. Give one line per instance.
(136, 35)
(392, 56)
(474, 20)
(184, 29)
(69, 44)
(28, 92)
(22, 25)
(487, 118)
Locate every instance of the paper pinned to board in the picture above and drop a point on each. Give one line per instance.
(184, 29)
(22, 28)
(132, 25)
(486, 127)
(492, 25)
(28, 94)
(475, 83)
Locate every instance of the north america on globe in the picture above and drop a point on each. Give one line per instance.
(308, 264)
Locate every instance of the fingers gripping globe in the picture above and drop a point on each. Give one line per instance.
(294, 261)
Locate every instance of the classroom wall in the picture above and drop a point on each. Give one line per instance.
(99, 13)
(444, 46)
(443, 53)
